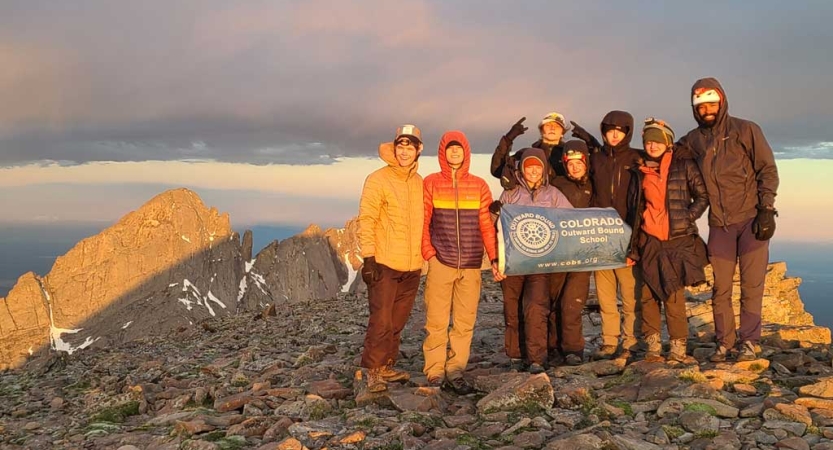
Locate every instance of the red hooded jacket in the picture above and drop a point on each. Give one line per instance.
(457, 219)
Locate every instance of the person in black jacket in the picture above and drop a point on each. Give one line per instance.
(552, 128)
(739, 169)
(666, 195)
(610, 175)
(570, 289)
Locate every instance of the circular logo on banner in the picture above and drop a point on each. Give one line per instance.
(533, 236)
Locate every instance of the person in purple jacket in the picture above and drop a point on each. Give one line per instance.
(526, 321)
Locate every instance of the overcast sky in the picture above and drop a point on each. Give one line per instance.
(304, 82)
(273, 111)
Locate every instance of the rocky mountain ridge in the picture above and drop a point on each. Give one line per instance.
(171, 263)
(175, 262)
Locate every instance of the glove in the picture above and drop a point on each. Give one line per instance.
(581, 133)
(494, 208)
(764, 224)
(517, 129)
(368, 269)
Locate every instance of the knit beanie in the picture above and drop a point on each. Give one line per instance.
(705, 95)
(657, 131)
(609, 126)
(532, 161)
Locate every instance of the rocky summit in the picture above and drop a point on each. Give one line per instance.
(288, 379)
(164, 332)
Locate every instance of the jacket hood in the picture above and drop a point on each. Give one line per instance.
(447, 138)
(388, 155)
(711, 83)
(622, 119)
(539, 154)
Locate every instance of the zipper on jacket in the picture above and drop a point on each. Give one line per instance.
(410, 220)
(457, 216)
(715, 141)
(613, 180)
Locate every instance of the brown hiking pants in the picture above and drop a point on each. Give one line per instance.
(390, 295)
(675, 315)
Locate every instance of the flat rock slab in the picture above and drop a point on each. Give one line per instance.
(630, 443)
(795, 428)
(822, 389)
(577, 442)
(698, 422)
(759, 365)
(657, 384)
(814, 403)
(598, 368)
(489, 383)
(417, 401)
(793, 443)
(796, 413)
(677, 405)
(522, 392)
(732, 375)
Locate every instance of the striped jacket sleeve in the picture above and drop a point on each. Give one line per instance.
(487, 227)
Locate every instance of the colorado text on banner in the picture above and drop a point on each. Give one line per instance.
(543, 240)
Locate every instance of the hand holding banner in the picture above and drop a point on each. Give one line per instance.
(543, 240)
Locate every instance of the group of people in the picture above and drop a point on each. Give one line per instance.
(448, 219)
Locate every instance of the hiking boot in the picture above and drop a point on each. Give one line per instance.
(747, 352)
(458, 385)
(555, 359)
(390, 374)
(624, 354)
(604, 352)
(536, 368)
(635, 347)
(573, 359)
(517, 364)
(678, 352)
(720, 354)
(436, 381)
(654, 353)
(375, 382)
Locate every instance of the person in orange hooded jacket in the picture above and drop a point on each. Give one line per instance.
(457, 227)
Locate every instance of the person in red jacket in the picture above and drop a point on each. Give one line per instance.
(457, 226)
(666, 196)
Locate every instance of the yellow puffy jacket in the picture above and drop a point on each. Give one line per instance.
(391, 214)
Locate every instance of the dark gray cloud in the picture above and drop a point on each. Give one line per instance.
(302, 82)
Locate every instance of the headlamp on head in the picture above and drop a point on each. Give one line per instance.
(656, 130)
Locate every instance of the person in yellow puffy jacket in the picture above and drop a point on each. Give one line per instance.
(390, 235)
